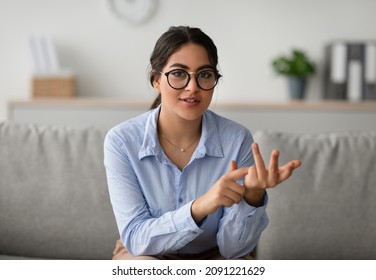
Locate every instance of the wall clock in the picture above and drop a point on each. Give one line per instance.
(133, 11)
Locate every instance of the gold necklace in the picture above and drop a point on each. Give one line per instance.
(181, 149)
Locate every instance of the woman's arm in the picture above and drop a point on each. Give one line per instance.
(142, 231)
(244, 222)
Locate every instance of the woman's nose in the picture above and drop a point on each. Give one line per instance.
(192, 84)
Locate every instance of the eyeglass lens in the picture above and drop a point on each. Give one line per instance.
(179, 79)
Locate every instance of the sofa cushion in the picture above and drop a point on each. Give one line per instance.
(54, 200)
(326, 209)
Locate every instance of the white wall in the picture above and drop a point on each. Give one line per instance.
(110, 57)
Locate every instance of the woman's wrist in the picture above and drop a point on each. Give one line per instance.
(197, 212)
(254, 198)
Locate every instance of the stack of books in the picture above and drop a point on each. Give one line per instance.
(350, 70)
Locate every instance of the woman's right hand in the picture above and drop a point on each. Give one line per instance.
(225, 192)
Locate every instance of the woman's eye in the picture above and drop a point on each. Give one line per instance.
(179, 74)
(205, 74)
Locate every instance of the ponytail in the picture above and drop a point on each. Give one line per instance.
(156, 102)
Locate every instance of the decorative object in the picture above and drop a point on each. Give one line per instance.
(133, 11)
(54, 86)
(48, 78)
(296, 68)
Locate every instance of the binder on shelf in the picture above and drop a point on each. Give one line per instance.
(336, 70)
(356, 71)
(370, 71)
(350, 70)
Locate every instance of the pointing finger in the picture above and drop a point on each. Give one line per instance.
(237, 173)
(233, 165)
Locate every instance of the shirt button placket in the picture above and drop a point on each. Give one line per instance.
(177, 187)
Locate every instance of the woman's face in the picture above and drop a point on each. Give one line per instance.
(190, 102)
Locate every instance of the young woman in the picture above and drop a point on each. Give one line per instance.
(184, 182)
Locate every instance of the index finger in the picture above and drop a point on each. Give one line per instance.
(260, 164)
(237, 173)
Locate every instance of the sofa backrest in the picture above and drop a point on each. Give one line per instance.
(54, 200)
(326, 209)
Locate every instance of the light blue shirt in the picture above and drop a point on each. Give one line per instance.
(152, 198)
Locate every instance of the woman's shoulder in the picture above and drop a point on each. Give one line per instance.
(225, 123)
(132, 129)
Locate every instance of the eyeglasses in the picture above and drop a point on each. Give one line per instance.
(179, 79)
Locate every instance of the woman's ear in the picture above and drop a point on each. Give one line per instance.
(156, 83)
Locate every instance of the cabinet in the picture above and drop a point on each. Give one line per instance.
(295, 116)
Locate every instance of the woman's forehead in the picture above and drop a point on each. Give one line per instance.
(190, 55)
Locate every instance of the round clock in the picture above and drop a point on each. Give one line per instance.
(133, 11)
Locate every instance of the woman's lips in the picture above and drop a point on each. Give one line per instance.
(190, 101)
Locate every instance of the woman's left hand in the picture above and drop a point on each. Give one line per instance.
(260, 178)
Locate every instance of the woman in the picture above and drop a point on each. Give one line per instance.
(184, 182)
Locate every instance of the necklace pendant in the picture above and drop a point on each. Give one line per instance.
(182, 150)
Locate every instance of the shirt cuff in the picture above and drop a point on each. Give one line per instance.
(184, 222)
(248, 210)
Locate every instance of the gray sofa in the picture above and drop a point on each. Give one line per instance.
(54, 201)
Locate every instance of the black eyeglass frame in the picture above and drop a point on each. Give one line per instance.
(217, 76)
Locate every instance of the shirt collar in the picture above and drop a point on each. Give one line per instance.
(209, 144)
(150, 145)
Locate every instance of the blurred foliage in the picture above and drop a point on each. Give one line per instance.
(297, 65)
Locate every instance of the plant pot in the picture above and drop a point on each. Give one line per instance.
(297, 87)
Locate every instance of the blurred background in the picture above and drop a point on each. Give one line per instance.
(109, 55)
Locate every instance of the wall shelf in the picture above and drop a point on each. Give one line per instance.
(294, 116)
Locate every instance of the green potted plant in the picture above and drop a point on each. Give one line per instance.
(296, 67)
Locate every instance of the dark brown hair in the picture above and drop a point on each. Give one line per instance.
(170, 41)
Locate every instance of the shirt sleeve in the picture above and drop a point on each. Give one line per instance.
(142, 231)
(242, 223)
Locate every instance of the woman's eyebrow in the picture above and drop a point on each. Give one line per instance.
(185, 67)
(182, 66)
(205, 67)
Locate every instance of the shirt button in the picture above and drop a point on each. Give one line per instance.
(180, 200)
